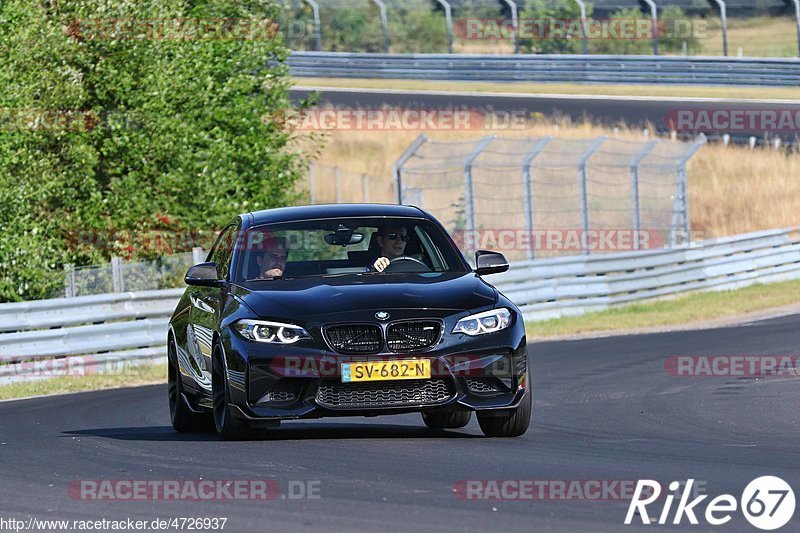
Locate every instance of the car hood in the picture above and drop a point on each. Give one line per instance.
(309, 297)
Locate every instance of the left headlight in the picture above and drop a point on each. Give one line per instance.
(270, 332)
(486, 322)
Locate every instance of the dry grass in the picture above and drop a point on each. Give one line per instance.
(732, 190)
(756, 37)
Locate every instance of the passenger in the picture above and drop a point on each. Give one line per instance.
(272, 262)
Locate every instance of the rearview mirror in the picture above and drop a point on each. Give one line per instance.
(487, 262)
(204, 275)
(343, 238)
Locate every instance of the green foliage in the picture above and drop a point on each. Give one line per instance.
(631, 43)
(173, 134)
(675, 30)
(415, 28)
(546, 11)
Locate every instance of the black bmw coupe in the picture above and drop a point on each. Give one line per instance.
(345, 310)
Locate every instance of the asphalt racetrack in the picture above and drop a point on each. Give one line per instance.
(604, 409)
(660, 112)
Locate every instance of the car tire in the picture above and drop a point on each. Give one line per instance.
(183, 419)
(227, 426)
(512, 424)
(446, 419)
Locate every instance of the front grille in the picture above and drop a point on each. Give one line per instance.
(354, 338)
(413, 336)
(385, 393)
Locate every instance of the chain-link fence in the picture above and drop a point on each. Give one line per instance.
(126, 276)
(548, 196)
(335, 185)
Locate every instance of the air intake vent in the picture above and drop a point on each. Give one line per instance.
(333, 394)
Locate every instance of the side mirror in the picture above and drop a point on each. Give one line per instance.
(487, 262)
(204, 275)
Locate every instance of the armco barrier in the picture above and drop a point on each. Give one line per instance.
(131, 328)
(550, 288)
(550, 68)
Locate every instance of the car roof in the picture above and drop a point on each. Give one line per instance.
(311, 212)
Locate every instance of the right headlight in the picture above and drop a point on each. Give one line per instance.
(486, 322)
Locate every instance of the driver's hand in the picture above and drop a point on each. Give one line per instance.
(380, 264)
(273, 273)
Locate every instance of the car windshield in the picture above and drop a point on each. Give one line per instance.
(336, 247)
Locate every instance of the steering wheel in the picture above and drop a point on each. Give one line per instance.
(406, 263)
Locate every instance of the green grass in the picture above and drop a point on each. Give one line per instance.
(676, 91)
(679, 311)
(133, 376)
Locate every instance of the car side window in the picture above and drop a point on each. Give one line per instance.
(223, 251)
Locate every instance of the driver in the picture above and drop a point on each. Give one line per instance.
(392, 241)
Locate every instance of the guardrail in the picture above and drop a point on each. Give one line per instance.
(550, 68)
(551, 288)
(89, 333)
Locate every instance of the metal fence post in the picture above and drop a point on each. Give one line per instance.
(69, 280)
(723, 13)
(117, 279)
(317, 24)
(514, 23)
(654, 15)
(681, 209)
(311, 184)
(584, 190)
(384, 24)
(527, 197)
(397, 168)
(365, 187)
(337, 179)
(197, 255)
(797, 17)
(582, 5)
(469, 196)
(637, 222)
(448, 20)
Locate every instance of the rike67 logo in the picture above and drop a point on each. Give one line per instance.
(767, 503)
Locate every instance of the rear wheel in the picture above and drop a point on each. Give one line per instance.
(183, 419)
(227, 426)
(446, 419)
(512, 424)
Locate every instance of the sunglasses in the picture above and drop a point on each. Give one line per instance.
(395, 236)
(276, 257)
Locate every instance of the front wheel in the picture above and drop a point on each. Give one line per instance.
(512, 424)
(227, 426)
(446, 419)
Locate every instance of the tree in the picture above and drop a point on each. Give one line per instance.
(110, 128)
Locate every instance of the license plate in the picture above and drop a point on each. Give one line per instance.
(386, 370)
